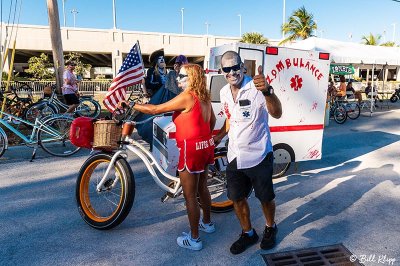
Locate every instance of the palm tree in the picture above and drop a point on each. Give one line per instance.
(301, 25)
(371, 39)
(254, 37)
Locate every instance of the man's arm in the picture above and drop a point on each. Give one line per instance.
(222, 133)
(274, 105)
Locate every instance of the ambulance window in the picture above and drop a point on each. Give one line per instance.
(250, 66)
(217, 62)
(216, 84)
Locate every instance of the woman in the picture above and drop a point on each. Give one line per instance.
(156, 75)
(341, 93)
(70, 87)
(194, 120)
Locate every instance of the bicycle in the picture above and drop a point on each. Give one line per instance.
(51, 133)
(341, 109)
(87, 106)
(105, 188)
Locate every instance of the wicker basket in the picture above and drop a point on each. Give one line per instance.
(106, 135)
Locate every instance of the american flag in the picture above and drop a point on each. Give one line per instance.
(131, 73)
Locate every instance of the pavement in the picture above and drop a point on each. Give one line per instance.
(350, 196)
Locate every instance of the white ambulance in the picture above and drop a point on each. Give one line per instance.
(299, 79)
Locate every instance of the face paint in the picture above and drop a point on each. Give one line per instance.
(182, 79)
(235, 75)
(161, 62)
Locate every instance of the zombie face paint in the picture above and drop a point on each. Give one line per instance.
(232, 70)
(182, 79)
(161, 62)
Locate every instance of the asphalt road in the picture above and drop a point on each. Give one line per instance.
(351, 196)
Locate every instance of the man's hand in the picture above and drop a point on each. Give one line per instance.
(259, 80)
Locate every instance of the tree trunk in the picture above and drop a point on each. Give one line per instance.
(56, 42)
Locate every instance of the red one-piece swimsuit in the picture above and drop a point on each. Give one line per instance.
(194, 139)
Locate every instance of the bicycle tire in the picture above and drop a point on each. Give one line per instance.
(216, 183)
(39, 109)
(354, 111)
(3, 142)
(394, 98)
(116, 200)
(340, 114)
(53, 136)
(88, 108)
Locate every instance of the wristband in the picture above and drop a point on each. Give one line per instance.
(268, 91)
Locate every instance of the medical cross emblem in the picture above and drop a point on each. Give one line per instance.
(246, 114)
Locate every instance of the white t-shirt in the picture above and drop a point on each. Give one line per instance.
(69, 89)
(249, 135)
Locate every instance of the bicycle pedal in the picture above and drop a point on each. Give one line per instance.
(166, 196)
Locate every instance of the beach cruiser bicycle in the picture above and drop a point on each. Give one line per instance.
(105, 188)
(51, 133)
(88, 107)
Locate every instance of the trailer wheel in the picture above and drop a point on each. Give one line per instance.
(283, 155)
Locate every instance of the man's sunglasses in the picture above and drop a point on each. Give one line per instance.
(234, 68)
(181, 76)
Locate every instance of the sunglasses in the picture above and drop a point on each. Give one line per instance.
(234, 68)
(181, 76)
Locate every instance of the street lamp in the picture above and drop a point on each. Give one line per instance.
(240, 25)
(207, 25)
(182, 9)
(284, 18)
(63, 3)
(114, 16)
(74, 12)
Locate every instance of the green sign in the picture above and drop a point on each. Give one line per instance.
(342, 70)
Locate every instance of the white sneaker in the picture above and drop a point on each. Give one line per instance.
(208, 228)
(186, 241)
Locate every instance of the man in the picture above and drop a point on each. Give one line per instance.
(70, 87)
(171, 83)
(246, 105)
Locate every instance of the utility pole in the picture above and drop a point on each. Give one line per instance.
(182, 9)
(56, 43)
(74, 12)
(114, 16)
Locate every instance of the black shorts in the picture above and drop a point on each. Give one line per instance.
(71, 99)
(240, 181)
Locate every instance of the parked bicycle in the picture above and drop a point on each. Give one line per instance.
(396, 95)
(47, 106)
(51, 133)
(105, 188)
(341, 109)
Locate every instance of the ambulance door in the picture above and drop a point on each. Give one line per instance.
(252, 58)
(216, 83)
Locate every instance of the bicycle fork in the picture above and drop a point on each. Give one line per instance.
(104, 178)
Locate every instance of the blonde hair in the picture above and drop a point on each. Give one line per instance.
(197, 81)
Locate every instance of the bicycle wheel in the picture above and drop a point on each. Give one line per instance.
(340, 114)
(108, 207)
(216, 183)
(353, 111)
(89, 108)
(53, 136)
(3, 142)
(40, 109)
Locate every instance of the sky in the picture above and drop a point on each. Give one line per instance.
(343, 20)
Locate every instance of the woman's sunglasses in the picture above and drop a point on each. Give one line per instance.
(181, 76)
(234, 68)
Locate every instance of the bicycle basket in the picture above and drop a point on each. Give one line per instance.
(106, 135)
